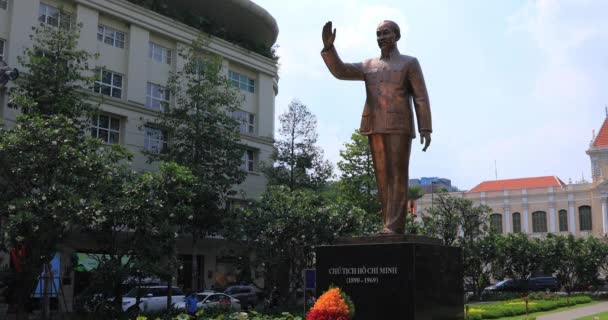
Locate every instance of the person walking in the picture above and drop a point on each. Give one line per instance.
(191, 303)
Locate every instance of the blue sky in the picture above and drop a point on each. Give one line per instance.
(522, 83)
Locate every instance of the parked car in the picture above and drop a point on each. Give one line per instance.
(549, 284)
(152, 298)
(509, 286)
(213, 300)
(247, 295)
(532, 284)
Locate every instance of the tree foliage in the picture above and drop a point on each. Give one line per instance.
(451, 216)
(357, 182)
(204, 138)
(204, 135)
(518, 255)
(49, 169)
(284, 227)
(297, 161)
(58, 76)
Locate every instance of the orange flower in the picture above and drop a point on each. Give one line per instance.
(330, 306)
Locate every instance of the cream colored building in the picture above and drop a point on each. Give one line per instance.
(138, 49)
(541, 205)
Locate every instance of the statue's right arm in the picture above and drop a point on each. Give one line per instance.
(341, 70)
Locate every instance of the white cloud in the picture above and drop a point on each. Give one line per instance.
(561, 30)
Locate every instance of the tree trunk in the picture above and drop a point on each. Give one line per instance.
(117, 305)
(26, 281)
(195, 275)
(169, 292)
(46, 301)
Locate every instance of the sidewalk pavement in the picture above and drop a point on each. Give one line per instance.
(576, 313)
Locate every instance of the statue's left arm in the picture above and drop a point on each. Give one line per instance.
(421, 102)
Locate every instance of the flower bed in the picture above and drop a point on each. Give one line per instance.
(225, 316)
(518, 306)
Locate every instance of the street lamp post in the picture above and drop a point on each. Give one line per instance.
(7, 73)
(432, 194)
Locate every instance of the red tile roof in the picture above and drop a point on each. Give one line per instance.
(521, 183)
(602, 137)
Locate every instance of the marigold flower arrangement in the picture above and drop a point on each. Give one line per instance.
(334, 304)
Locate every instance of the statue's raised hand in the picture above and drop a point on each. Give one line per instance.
(328, 36)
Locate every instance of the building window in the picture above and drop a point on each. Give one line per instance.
(106, 128)
(108, 83)
(248, 163)
(155, 96)
(539, 221)
(159, 53)
(1, 49)
(111, 36)
(563, 220)
(242, 81)
(3, 4)
(246, 121)
(516, 222)
(584, 217)
(496, 223)
(53, 16)
(155, 140)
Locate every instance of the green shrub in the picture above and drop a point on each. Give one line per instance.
(202, 315)
(518, 306)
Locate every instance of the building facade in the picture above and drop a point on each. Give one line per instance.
(138, 49)
(541, 205)
(433, 184)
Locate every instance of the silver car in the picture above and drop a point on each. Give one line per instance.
(152, 298)
(213, 300)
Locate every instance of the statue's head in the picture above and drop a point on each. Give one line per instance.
(387, 34)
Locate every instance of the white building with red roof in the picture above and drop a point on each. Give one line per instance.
(541, 205)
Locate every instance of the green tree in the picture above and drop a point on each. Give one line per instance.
(478, 258)
(49, 170)
(518, 255)
(284, 227)
(413, 193)
(357, 182)
(477, 243)
(112, 228)
(561, 256)
(297, 161)
(443, 219)
(589, 262)
(204, 138)
(167, 196)
(134, 226)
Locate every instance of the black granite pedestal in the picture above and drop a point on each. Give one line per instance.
(395, 277)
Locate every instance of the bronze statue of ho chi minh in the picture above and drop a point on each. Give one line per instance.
(392, 82)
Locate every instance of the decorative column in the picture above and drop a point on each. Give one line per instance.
(605, 212)
(508, 228)
(524, 204)
(552, 217)
(552, 228)
(572, 223)
(507, 208)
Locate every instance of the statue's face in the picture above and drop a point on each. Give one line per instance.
(385, 36)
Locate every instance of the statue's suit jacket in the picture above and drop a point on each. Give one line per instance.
(390, 83)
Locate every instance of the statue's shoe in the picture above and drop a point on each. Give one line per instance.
(387, 231)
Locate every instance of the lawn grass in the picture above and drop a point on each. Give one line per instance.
(602, 316)
(515, 308)
(536, 314)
